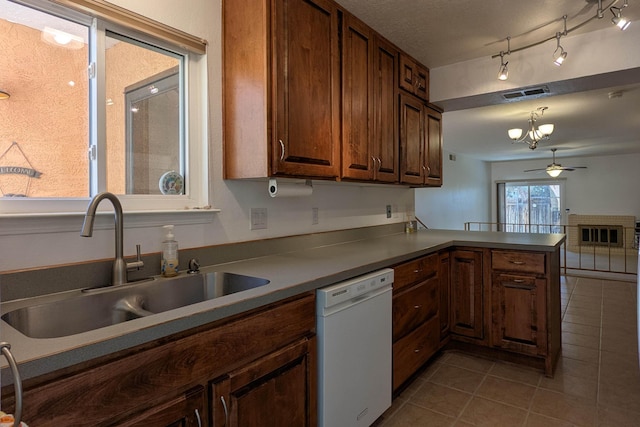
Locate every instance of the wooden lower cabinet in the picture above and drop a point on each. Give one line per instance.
(187, 410)
(276, 390)
(263, 362)
(519, 313)
(416, 324)
(467, 293)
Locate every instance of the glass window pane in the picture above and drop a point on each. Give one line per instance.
(145, 152)
(44, 135)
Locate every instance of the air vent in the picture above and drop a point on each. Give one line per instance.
(531, 92)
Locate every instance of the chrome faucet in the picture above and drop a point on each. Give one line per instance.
(120, 267)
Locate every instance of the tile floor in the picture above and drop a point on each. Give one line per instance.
(597, 381)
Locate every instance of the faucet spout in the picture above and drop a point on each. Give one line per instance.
(119, 265)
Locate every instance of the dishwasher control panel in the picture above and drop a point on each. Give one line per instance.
(353, 288)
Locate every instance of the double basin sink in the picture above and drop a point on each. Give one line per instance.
(92, 309)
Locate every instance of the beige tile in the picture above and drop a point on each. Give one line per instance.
(619, 368)
(560, 406)
(462, 424)
(517, 373)
(430, 369)
(414, 416)
(411, 389)
(582, 320)
(575, 328)
(612, 417)
(586, 298)
(581, 340)
(577, 368)
(441, 399)
(619, 341)
(585, 304)
(624, 396)
(537, 420)
(595, 291)
(580, 387)
(483, 412)
(396, 405)
(505, 391)
(580, 353)
(469, 362)
(594, 313)
(458, 378)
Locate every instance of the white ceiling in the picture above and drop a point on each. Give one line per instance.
(445, 32)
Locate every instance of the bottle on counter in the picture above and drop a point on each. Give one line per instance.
(169, 262)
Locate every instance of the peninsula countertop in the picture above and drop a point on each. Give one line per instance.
(290, 273)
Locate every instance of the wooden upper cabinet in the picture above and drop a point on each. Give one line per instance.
(307, 89)
(281, 88)
(434, 148)
(414, 77)
(358, 160)
(412, 140)
(386, 145)
(369, 123)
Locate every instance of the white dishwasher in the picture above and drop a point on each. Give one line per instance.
(353, 320)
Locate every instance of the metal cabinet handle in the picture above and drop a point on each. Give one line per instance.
(417, 350)
(17, 382)
(519, 286)
(517, 262)
(281, 150)
(198, 418)
(379, 163)
(226, 411)
(518, 280)
(417, 307)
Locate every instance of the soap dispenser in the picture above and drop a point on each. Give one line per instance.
(169, 267)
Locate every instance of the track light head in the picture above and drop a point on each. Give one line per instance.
(618, 20)
(559, 55)
(503, 72)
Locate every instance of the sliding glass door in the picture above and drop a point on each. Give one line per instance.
(530, 207)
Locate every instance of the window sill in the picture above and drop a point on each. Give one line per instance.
(37, 223)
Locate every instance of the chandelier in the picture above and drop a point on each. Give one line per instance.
(534, 134)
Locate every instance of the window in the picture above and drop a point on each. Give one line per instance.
(530, 207)
(98, 106)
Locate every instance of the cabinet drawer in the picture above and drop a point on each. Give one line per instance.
(524, 262)
(413, 306)
(412, 351)
(415, 271)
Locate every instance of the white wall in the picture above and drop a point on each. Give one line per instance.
(464, 195)
(340, 205)
(609, 185)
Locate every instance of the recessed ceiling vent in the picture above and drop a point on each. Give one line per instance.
(533, 92)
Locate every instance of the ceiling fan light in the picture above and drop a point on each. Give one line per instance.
(546, 129)
(515, 133)
(554, 172)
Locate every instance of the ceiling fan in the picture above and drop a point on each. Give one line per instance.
(555, 169)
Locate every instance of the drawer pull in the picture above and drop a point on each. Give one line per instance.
(417, 271)
(518, 280)
(519, 286)
(417, 307)
(226, 411)
(517, 262)
(417, 350)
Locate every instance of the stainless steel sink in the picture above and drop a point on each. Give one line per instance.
(86, 311)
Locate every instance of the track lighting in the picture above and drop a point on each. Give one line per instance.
(559, 55)
(503, 72)
(618, 20)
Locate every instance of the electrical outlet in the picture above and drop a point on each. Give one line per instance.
(258, 218)
(314, 216)
(388, 211)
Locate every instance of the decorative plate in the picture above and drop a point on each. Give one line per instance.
(171, 183)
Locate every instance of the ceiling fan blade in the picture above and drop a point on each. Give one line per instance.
(535, 170)
(571, 168)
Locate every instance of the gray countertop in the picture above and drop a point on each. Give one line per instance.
(290, 273)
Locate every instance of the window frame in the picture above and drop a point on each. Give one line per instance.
(194, 82)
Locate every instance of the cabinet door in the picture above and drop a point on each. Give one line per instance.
(414, 306)
(385, 135)
(358, 161)
(444, 278)
(518, 311)
(434, 148)
(307, 89)
(276, 390)
(412, 140)
(184, 411)
(414, 78)
(467, 294)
